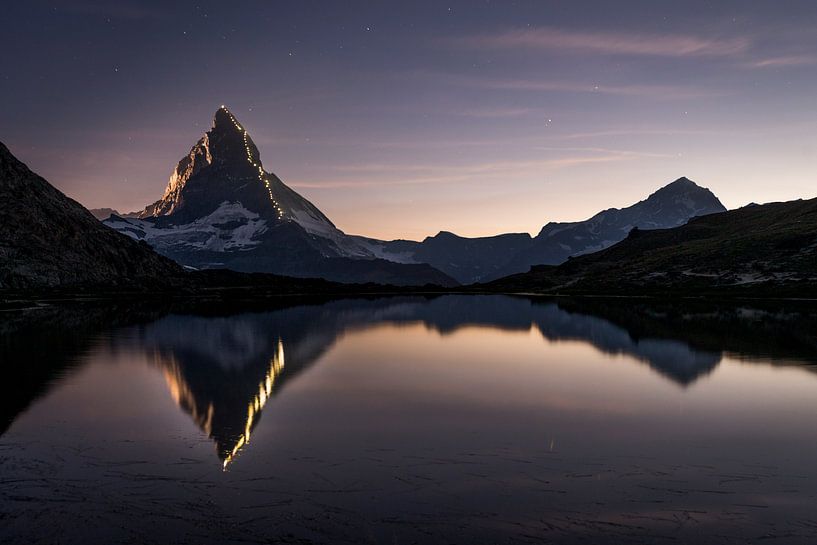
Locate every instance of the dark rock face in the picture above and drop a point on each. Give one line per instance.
(223, 166)
(49, 240)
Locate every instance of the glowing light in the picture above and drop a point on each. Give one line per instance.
(254, 407)
(261, 173)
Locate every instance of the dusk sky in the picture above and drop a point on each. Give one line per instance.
(401, 119)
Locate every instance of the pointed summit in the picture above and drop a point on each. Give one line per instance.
(226, 128)
(681, 184)
(229, 140)
(224, 166)
(687, 198)
(224, 116)
(222, 171)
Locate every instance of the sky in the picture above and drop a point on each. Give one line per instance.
(400, 119)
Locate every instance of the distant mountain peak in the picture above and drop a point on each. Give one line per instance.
(681, 184)
(691, 195)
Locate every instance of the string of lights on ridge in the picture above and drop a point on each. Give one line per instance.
(261, 174)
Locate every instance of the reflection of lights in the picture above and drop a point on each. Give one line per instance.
(254, 407)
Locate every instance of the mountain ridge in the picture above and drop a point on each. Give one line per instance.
(482, 259)
(48, 239)
(768, 249)
(221, 208)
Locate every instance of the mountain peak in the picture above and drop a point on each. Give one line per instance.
(224, 168)
(224, 165)
(680, 187)
(687, 198)
(682, 183)
(224, 120)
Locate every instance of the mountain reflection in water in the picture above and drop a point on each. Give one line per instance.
(223, 369)
(467, 419)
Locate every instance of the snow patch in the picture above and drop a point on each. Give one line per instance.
(228, 228)
(378, 250)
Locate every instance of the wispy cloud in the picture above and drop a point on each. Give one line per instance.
(386, 175)
(637, 90)
(657, 92)
(607, 43)
(623, 154)
(496, 112)
(784, 61)
(637, 132)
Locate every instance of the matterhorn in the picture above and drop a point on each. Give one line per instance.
(223, 209)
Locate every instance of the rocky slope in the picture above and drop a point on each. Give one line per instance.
(49, 240)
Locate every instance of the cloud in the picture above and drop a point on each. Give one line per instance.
(639, 90)
(619, 152)
(658, 92)
(496, 112)
(607, 43)
(779, 62)
(637, 132)
(387, 175)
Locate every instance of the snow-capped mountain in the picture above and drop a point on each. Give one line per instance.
(671, 206)
(221, 208)
(223, 173)
(482, 259)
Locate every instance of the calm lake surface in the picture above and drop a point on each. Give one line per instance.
(455, 419)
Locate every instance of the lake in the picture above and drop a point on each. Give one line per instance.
(449, 419)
